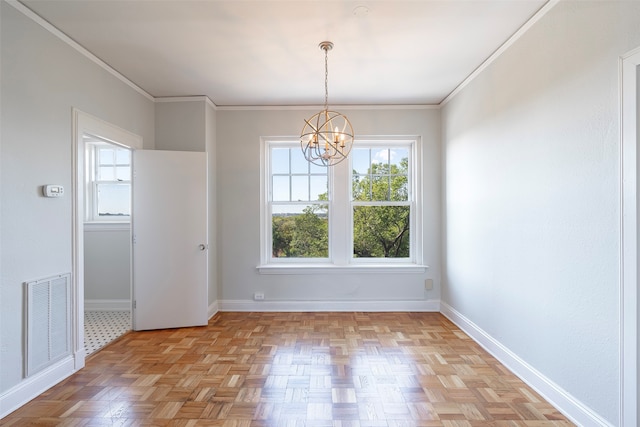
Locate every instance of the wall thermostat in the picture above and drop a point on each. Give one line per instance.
(52, 190)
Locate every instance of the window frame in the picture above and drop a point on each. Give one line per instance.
(91, 183)
(270, 203)
(340, 211)
(414, 252)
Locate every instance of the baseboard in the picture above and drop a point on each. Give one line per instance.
(212, 310)
(317, 306)
(107, 305)
(553, 393)
(35, 385)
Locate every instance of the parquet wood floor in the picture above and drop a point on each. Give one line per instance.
(293, 370)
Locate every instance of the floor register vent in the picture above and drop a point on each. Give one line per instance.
(48, 322)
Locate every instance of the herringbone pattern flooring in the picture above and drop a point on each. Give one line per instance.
(294, 369)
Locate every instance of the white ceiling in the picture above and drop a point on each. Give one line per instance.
(265, 52)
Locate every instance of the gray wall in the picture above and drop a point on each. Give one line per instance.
(180, 124)
(42, 79)
(238, 170)
(107, 263)
(533, 198)
(210, 138)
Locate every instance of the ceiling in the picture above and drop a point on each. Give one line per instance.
(265, 52)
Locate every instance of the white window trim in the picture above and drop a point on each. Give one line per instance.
(340, 229)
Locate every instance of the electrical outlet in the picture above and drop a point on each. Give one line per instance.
(428, 284)
(258, 296)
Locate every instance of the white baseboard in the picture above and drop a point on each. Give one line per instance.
(35, 385)
(572, 408)
(212, 310)
(317, 306)
(107, 305)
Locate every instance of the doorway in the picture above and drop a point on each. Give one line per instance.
(88, 129)
(107, 242)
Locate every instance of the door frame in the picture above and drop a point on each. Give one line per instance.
(85, 123)
(630, 225)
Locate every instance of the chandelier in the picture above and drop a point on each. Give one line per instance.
(327, 136)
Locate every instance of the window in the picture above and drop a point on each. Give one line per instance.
(364, 211)
(381, 203)
(109, 182)
(299, 206)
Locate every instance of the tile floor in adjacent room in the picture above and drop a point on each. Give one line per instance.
(102, 327)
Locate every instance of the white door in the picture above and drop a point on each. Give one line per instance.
(169, 229)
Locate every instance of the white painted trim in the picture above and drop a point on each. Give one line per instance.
(629, 239)
(575, 410)
(320, 107)
(79, 48)
(107, 305)
(85, 123)
(213, 309)
(506, 45)
(186, 99)
(107, 226)
(33, 386)
(321, 306)
(341, 269)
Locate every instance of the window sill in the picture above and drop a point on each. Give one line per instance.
(341, 269)
(107, 226)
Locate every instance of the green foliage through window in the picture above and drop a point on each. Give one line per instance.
(304, 235)
(380, 203)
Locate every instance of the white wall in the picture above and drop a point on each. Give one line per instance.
(42, 79)
(533, 198)
(238, 174)
(107, 264)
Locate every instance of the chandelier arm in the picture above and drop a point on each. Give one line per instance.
(310, 125)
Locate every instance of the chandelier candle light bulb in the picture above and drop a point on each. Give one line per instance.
(321, 127)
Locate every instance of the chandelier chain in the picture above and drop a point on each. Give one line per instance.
(326, 79)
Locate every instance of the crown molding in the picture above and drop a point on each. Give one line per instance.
(194, 98)
(331, 107)
(79, 48)
(506, 45)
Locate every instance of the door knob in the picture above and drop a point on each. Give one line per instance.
(202, 247)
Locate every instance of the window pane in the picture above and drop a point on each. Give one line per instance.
(380, 187)
(360, 160)
(280, 160)
(106, 173)
(123, 173)
(315, 169)
(399, 188)
(114, 200)
(298, 163)
(300, 231)
(380, 155)
(281, 189)
(105, 156)
(398, 160)
(319, 188)
(381, 231)
(123, 156)
(300, 188)
(361, 188)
